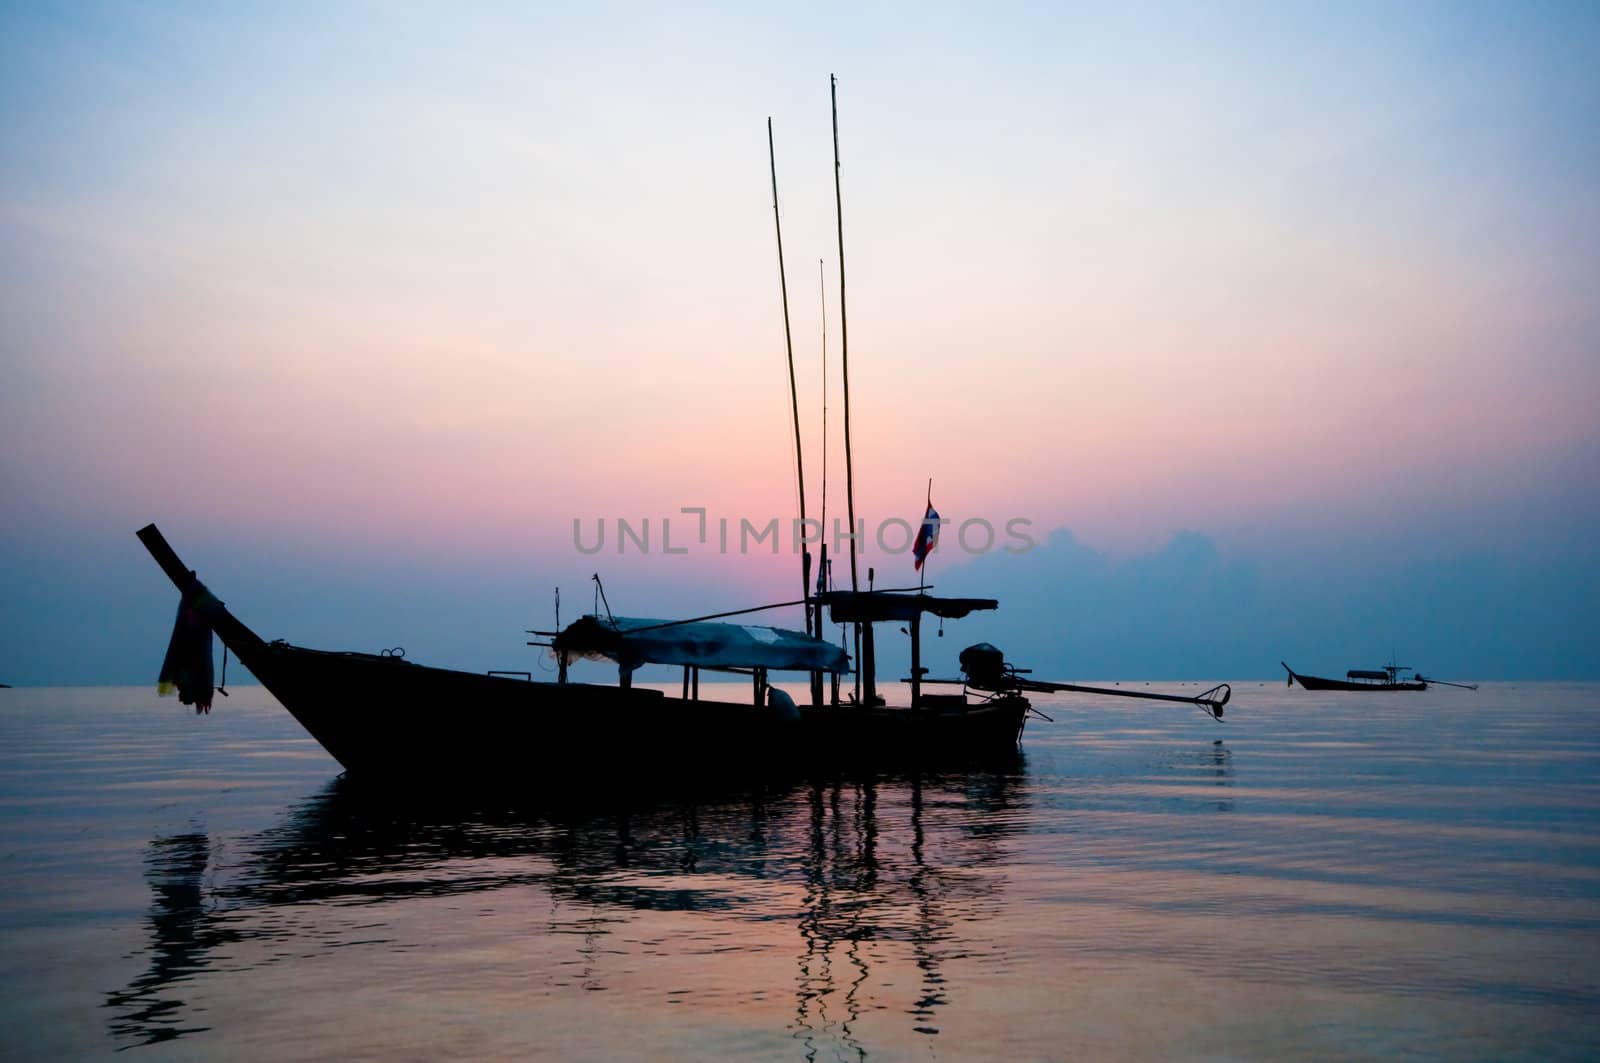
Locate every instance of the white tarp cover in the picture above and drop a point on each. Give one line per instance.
(632, 641)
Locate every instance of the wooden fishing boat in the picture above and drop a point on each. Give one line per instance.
(1389, 677)
(385, 715)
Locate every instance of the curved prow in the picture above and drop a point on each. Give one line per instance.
(235, 635)
(1292, 677)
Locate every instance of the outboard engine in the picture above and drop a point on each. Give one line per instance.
(984, 666)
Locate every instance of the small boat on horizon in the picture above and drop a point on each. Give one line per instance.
(1389, 677)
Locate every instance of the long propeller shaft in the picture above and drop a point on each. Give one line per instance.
(1447, 683)
(1211, 700)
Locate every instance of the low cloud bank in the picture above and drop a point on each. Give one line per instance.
(1189, 610)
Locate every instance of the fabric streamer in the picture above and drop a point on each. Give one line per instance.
(186, 670)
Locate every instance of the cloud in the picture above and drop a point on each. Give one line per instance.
(1190, 610)
(89, 608)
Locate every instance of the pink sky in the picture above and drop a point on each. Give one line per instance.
(434, 285)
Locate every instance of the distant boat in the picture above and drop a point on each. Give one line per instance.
(1389, 677)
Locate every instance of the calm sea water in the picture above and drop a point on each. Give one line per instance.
(1322, 877)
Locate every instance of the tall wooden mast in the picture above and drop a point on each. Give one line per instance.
(844, 339)
(794, 398)
(844, 358)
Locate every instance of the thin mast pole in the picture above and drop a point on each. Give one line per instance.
(794, 398)
(844, 357)
(822, 292)
(824, 583)
(844, 338)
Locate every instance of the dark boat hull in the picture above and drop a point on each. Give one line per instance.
(385, 716)
(1312, 682)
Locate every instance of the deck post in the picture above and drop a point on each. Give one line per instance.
(916, 660)
(869, 666)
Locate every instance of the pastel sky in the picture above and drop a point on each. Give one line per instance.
(364, 304)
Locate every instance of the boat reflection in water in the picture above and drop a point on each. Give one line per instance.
(865, 881)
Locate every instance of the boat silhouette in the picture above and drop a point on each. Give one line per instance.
(1389, 677)
(384, 714)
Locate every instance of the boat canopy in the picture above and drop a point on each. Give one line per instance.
(869, 607)
(1360, 673)
(635, 641)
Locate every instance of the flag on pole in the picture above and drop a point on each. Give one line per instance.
(927, 536)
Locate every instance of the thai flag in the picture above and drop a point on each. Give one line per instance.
(927, 536)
